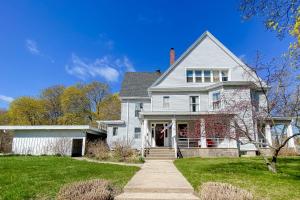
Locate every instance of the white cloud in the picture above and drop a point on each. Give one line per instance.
(6, 99)
(106, 67)
(32, 47)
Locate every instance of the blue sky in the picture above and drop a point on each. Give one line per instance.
(43, 43)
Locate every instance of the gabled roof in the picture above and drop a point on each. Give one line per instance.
(191, 48)
(136, 84)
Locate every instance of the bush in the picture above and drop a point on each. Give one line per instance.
(288, 152)
(98, 149)
(123, 151)
(87, 190)
(6, 142)
(223, 191)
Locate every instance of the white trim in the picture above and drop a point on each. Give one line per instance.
(47, 127)
(124, 98)
(112, 122)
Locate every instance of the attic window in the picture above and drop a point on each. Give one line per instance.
(224, 75)
(189, 76)
(206, 76)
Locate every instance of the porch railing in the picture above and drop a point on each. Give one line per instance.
(188, 142)
(196, 142)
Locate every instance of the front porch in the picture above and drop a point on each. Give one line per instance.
(208, 134)
(186, 135)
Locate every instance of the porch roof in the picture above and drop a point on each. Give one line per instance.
(179, 113)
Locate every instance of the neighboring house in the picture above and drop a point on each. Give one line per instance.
(158, 110)
(53, 139)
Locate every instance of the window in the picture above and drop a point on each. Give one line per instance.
(207, 77)
(189, 76)
(216, 76)
(137, 133)
(194, 103)
(224, 75)
(138, 108)
(216, 100)
(182, 130)
(115, 131)
(166, 102)
(198, 76)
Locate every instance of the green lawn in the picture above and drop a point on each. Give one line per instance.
(41, 177)
(247, 173)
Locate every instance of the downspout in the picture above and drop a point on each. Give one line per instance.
(127, 122)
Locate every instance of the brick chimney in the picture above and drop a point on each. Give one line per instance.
(172, 56)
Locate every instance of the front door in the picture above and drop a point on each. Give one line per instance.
(159, 135)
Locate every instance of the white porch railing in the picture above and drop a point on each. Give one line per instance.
(196, 142)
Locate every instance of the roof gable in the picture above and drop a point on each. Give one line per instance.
(206, 40)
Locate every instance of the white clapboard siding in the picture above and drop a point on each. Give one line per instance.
(48, 142)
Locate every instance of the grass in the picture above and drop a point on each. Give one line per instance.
(30, 177)
(248, 173)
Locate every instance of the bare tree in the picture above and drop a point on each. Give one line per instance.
(248, 109)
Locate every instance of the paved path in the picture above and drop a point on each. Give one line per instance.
(158, 180)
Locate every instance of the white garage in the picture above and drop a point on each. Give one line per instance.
(53, 139)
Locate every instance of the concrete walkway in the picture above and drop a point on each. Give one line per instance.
(158, 180)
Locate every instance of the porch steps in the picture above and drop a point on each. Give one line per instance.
(160, 153)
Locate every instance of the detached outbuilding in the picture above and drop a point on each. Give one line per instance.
(53, 139)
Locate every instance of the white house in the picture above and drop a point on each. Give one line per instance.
(158, 110)
(53, 139)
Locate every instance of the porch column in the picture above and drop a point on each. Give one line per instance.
(202, 132)
(268, 133)
(174, 134)
(144, 134)
(289, 132)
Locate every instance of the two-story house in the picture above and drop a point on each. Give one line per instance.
(161, 109)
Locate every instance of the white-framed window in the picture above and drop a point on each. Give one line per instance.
(198, 76)
(189, 76)
(224, 75)
(216, 100)
(216, 76)
(166, 101)
(115, 131)
(207, 76)
(194, 103)
(138, 108)
(137, 133)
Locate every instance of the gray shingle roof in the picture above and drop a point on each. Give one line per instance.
(135, 84)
